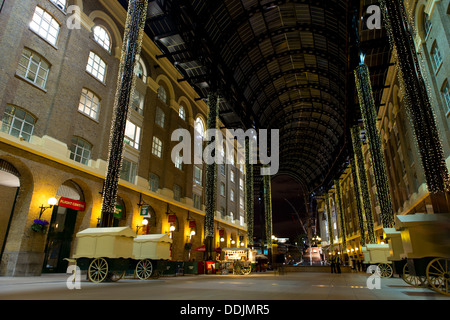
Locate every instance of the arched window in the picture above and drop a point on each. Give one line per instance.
(18, 123)
(80, 150)
(102, 37)
(200, 127)
(140, 70)
(45, 25)
(96, 66)
(89, 104)
(426, 24)
(33, 68)
(182, 113)
(162, 94)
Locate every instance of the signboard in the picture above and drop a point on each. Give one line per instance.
(145, 211)
(192, 224)
(235, 254)
(72, 204)
(118, 212)
(172, 218)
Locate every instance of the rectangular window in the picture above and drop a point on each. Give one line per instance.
(160, 117)
(157, 147)
(89, 104)
(132, 135)
(44, 25)
(177, 192)
(96, 67)
(437, 58)
(18, 123)
(232, 175)
(178, 162)
(197, 175)
(222, 189)
(138, 102)
(33, 68)
(232, 195)
(447, 96)
(197, 201)
(129, 171)
(154, 182)
(241, 184)
(80, 150)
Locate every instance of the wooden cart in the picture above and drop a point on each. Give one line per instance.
(426, 244)
(377, 254)
(110, 253)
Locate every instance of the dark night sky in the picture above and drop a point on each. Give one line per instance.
(285, 220)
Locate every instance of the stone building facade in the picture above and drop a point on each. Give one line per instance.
(57, 89)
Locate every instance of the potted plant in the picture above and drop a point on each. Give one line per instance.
(39, 226)
(188, 246)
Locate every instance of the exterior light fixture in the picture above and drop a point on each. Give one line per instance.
(192, 233)
(172, 228)
(144, 223)
(222, 239)
(51, 202)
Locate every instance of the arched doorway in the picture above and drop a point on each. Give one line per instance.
(9, 189)
(62, 227)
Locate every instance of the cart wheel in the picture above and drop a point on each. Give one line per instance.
(438, 275)
(144, 269)
(414, 281)
(98, 270)
(115, 276)
(385, 270)
(247, 270)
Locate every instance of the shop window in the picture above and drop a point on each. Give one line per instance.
(80, 150)
(128, 171)
(157, 147)
(96, 67)
(45, 25)
(102, 37)
(154, 182)
(132, 135)
(18, 123)
(33, 68)
(89, 104)
(160, 117)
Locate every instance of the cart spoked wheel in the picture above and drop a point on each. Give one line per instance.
(438, 275)
(115, 276)
(410, 279)
(98, 270)
(144, 269)
(247, 270)
(386, 270)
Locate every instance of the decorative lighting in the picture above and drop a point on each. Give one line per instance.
(249, 190)
(222, 239)
(368, 111)
(192, 233)
(341, 212)
(418, 104)
(330, 223)
(172, 228)
(268, 209)
(51, 202)
(131, 47)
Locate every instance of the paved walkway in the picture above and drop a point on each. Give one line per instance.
(256, 286)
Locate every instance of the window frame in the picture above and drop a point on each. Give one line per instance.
(14, 119)
(107, 45)
(74, 154)
(39, 66)
(97, 71)
(157, 146)
(135, 140)
(85, 94)
(41, 31)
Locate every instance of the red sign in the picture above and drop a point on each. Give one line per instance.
(172, 218)
(72, 204)
(192, 224)
(221, 232)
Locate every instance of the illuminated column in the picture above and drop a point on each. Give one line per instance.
(211, 178)
(362, 182)
(249, 196)
(418, 104)
(340, 213)
(131, 47)
(359, 205)
(369, 113)
(329, 218)
(268, 210)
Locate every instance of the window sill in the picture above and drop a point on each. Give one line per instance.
(88, 116)
(48, 42)
(439, 68)
(98, 80)
(30, 82)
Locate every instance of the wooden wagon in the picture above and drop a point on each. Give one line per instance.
(377, 254)
(110, 253)
(426, 243)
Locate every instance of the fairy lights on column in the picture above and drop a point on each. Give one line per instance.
(418, 103)
(268, 209)
(369, 113)
(340, 213)
(131, 47)
(249, 190)
(211, 177)
(329, 217)
(359, 208)
(362, 182)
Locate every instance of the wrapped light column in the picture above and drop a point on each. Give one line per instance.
(268, 210)
(211, 178)
(359, 209)
(340, 213)
(369, 113)
(131, 47)
(330, 222)
(362, 182)
(249, 190)
(418, 103)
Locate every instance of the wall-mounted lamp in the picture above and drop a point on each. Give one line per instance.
(172, 228)
(51, 202)
(222, 239)
(193, 233)
(144, 223)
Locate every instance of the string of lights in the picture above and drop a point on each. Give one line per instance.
(359, 205)
(362, 181)
(249, 190)
(368, 111)
(340, 213)
(131, 47)
(329, 217)
(268, 209)
(418, 104)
